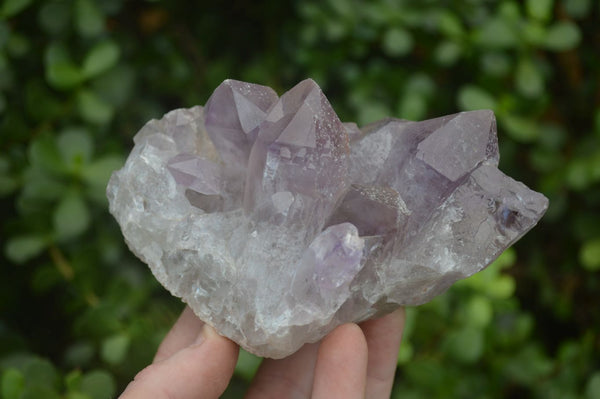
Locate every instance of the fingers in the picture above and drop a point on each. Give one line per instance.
(183, 333)
(291, 377)
(200, 370)
(351, 362)
(383, 337)
(341, 364)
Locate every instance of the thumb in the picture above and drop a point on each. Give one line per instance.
(202, 369)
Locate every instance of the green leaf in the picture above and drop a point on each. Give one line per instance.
(100, 58)
(472, 98)
(56, 52)
(497, 33)
(20, 249)
(594, 166)
(496, 63)
(562, 36)
(579, 174)
(589, 254)
(505, 260)
(479, 312)
(343, 8)
(11, 8)
(18, 45)
(44, 154)
(521, 129)
(75, 145)
(93, 109)
(39, 391)
(98, 384)
(509, 11)
(534, 32)
(41, 372)
(42, 103)
(553, 137)
(63, 75)
(39, 187)
(465, 345)
(425, 371)
(71, 217)
(79, 354)
(13, 384)
(116, 85)
(397, 42)
(334, 29)
(4, 165)
(89, 20)
(4, 36)
(449, 24)
(7, 186)
(540, 9)
(98, 172)
(114, 348)
(247, 365)
(412, 107)
(420, 83)
(529, 80)
(578, 8)
(529, 365)
(54, 16)
(503, 287)
(592, 388)
(406, 352)
(8, 183)
(371, 112)
(447, 53)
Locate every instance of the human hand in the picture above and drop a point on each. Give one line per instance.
(353, 361)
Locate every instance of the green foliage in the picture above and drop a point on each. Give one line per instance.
(78, 78)
(13, 7)
(589, 254)
(247, 365)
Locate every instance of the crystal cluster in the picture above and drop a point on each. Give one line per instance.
(276, 222)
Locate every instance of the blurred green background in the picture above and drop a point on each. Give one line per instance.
(80, 315)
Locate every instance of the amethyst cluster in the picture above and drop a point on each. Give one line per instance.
(276, 222)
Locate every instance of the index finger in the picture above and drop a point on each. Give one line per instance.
(183, 333)
(383, 340)
(200, 370)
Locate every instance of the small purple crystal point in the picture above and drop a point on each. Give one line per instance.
(374, 210)
(232, 116)
(276, 222)
(336, 254)
(461, 144)
(195, 173)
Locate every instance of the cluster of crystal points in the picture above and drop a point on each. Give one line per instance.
(276, 222)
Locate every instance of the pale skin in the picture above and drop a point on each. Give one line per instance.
(353, 361)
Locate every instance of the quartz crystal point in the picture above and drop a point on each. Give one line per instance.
(233, 133)
(297, 171)
(276, 222)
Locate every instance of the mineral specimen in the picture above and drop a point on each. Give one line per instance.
(276, 222)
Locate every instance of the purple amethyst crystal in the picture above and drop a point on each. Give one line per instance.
(297, 171)
(276, 222)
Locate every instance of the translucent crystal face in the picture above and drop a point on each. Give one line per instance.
(276, 222)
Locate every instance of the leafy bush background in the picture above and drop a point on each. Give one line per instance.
(80, 315)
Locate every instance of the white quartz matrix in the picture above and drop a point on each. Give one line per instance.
(276, 222)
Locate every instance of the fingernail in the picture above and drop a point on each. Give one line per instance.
(205, 333)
